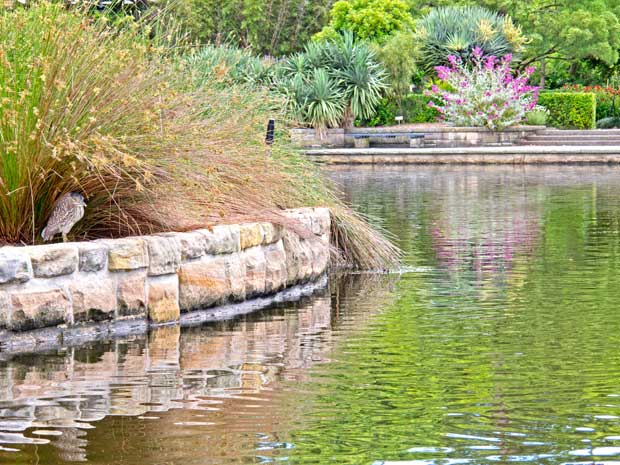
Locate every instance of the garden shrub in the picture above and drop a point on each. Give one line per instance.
(413, 108)
(569, 110)
(607, 99)
(484, 92)
(537, 116)
(611, 122)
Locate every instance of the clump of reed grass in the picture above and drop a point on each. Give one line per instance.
(152, 142)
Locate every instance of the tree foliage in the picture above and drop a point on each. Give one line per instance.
(271, 27)
(460, 30)
(371, 20)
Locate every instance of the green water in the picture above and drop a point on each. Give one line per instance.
(499, 343)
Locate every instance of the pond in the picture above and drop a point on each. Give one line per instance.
(497, 343)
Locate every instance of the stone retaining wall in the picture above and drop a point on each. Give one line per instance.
(158, 277)
(440, 136)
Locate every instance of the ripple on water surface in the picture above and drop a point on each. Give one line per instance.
(498, 344)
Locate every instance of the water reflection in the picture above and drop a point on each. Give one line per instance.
(174, 388)
(499, 345)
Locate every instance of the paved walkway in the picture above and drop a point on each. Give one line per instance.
(514, 154)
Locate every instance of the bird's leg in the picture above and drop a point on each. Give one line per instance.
(64, 237)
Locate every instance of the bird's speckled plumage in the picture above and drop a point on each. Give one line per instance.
(68, 210)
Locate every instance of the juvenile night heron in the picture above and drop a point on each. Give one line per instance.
(68, 210)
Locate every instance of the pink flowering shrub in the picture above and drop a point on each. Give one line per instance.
(483, 93)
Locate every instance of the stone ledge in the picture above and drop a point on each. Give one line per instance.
(158, 277)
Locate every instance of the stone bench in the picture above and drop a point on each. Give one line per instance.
(362, 140)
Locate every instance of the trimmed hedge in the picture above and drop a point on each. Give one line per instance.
(414, 109)
(569, 110)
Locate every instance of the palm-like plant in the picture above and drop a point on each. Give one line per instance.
(328, 71)
(458, 30)
(364, 81)
(324, 102)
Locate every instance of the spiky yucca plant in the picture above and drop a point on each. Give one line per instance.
(458, 30)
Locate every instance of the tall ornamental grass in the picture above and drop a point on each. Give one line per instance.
(151, 143)
(82, 108)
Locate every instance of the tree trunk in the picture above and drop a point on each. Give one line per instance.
(543, 73)
(348, 119)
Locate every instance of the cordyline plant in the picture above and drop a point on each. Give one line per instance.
(483, 93)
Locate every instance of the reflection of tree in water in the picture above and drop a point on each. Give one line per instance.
(219, 383)
(480, 232)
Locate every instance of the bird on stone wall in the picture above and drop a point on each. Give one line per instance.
(68, 210)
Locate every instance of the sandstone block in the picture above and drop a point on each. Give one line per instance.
(255, 269)
(164, 255)
(223, 239)
(4, 309)
(203, 283)
(49, 261)
(127, 254)
(14, 265)
(163, 300)
(321, 221)
(306, 260)
(31, 310)
(276, 275)
(271, 232)
(131, 296)
(299, 257)
(293, 252)
(320, 256)
(251, 235)
(192, 245)
(93, 300)
(93, 256)
(235, 272)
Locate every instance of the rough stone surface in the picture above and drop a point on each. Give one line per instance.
(299, 257)
(164, 255)
(203, 283)
(255, 269)
(293, 252)
(235, 272)
(93, 300)
(192, 245)
(131, 296)
(251, 235)
(157, 276)
(93, 256)
(276, 275)
(14, 266)
(5, 308)
(163, 300)
(321, 221)
(223, 239)
(271, 233)
(320, 256)
(127, 254)
(31, 310)
(53, 260)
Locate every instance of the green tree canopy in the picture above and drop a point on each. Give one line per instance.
(272, 27)
(371, 20)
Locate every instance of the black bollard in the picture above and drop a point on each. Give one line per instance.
(270, 136)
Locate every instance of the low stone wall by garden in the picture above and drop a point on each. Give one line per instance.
(445, 137)
(157, 277)
(440, 136)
